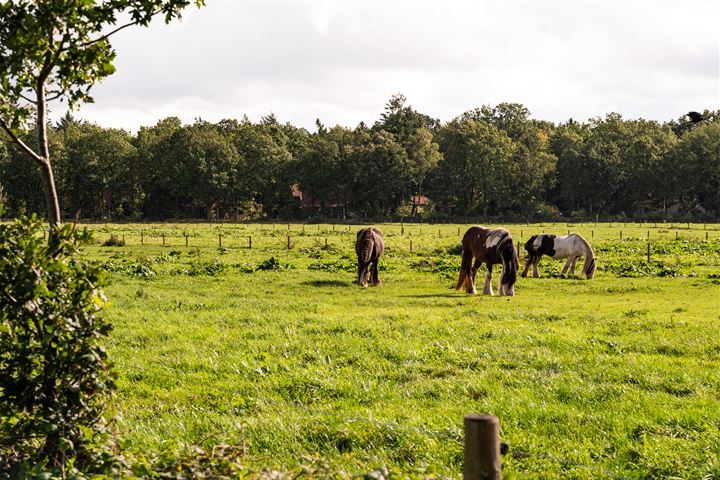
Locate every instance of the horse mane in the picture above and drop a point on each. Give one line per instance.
(589, 265)
(506, 250)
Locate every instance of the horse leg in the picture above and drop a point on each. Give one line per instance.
(362, 274)
(487, 289)
(375, 274)
(536, 272)
(471, 278)
(572, 266)
(473, 272)
(527, 267)
(565, 267)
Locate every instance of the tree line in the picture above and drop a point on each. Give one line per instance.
(490, 161)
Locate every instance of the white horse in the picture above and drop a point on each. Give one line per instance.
(571, 246)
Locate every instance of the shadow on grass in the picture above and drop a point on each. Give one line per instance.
(435, 295)
(327, 283)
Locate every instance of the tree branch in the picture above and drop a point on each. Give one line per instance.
(27, 99)
(103, 37)
(22, 144)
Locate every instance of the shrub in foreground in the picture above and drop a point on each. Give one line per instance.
(54, 381)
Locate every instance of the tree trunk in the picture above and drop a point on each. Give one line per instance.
(46, 173)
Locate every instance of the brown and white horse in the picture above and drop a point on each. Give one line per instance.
(571, 246)
(488, 246)
(369, 247)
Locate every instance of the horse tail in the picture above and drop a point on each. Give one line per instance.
(465, 266)
(368, 242)
(589, 265)
(530, 248)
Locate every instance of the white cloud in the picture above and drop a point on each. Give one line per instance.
(341, 60)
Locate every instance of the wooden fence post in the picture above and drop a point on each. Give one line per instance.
(288, 242)
(482, 448)
(163, 237)
(186, 239)
(142, 238)
(249, 242)
(411, 244)
(648, 252)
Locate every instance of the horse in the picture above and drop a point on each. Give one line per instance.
(369, 246)
(488, 246)
(571, 246)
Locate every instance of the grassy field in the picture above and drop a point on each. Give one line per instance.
(276, 349)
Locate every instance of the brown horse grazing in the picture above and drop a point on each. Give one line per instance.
(488, 246)
(369, 247)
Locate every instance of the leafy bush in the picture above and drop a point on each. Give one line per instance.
(54, 381)
(273, 263)
(209, 268)
(334, 266)
(114, 241)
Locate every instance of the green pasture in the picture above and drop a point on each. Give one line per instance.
(277, 350)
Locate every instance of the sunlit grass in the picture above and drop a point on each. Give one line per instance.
(611, 375)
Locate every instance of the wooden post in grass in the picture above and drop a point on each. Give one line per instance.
(123, 239)
(648, 252)
(142, 238)
(163, 237)
(677, 236)
(219, 240)
(186, 239)
(482, 448)
(592, 233)
(249, 243)
(620, 234)
(411, 244)
(288, 242)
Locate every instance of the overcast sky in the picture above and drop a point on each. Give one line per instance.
(342, 60)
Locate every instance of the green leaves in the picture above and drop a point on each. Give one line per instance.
(53, 369)
(63, 47)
